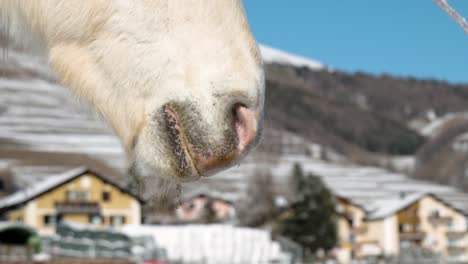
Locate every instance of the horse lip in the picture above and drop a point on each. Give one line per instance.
(179, 140)
(198, 163)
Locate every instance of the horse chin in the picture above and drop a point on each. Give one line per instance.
(157, 187)
(184, 142)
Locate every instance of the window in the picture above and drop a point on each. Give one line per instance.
(50, 220)
(77, 196)
(95, 219)
(59, 218)
(117, 220)
(406, 228)
(450, 227)
(418, 227)
(339, 208)
(106, 196)
(454, 242)
(435, 214)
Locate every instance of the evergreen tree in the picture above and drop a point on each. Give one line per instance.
(297, 181)
(311, 219)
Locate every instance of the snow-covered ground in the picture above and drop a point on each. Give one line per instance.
(272, 55)
(38, 115)
(367, 186)
(215, 244)
(434, 127)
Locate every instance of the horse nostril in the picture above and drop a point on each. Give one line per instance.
(245, 124)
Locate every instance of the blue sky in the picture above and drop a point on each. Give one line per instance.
(400, 37)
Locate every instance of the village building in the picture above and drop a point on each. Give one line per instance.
(445, 228)
(427, 221)
(419, 219)
(416, 219)
(385, 221)
(198, 207)
(79, 195)
(350, 228)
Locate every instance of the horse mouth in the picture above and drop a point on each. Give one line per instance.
(194, 155)
(185, 166)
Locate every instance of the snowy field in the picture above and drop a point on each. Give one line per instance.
(215, 244)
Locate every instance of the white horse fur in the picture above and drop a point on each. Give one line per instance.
(180, 81)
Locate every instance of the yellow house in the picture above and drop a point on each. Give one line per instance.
(79, 195)
(420, 219)
(444, 228)
(350, 229)
(385, 219)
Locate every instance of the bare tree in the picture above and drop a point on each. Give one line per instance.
(7, 181)
(257, 206)
(453, 14)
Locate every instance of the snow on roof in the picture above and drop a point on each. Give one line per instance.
(52, 181)
(272, 55)
(41, 187)
(387, 207)
(369, 187)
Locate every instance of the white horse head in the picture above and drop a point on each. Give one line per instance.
(180, 81)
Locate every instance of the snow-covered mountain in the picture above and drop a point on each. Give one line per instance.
(336, 119)
(38, 115)
(43, 128)
(39, 118)
(272, 55)
(365, 185)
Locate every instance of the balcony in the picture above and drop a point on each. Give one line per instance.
(359, 230)
(456, 249)
(456, 234)
(416, 235)
(444, 220)
(77, 208)
(365, 249)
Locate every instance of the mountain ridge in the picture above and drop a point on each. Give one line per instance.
(356, 118)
